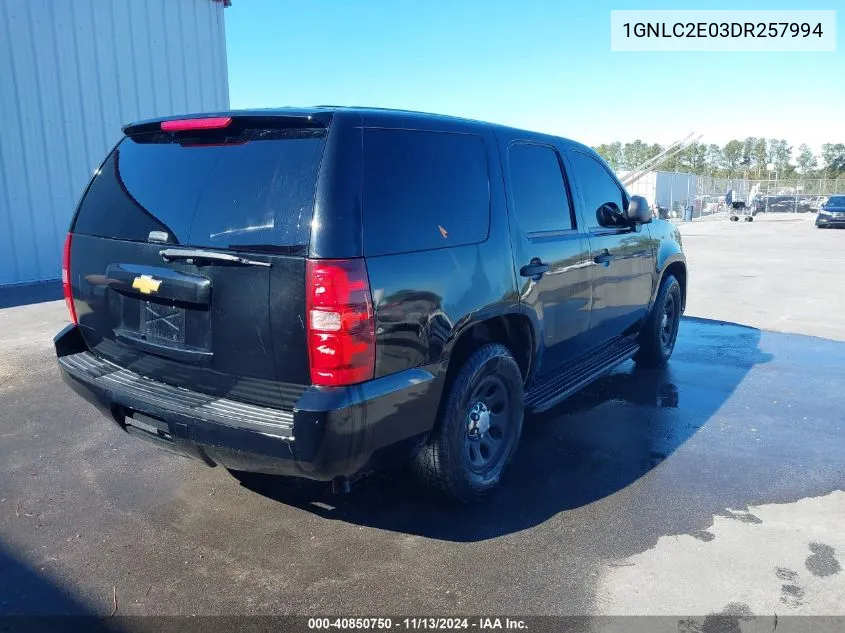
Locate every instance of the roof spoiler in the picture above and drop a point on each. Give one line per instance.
(228, 121)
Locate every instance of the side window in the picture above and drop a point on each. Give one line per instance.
(423, 190)
(538, 190)
(597, 187)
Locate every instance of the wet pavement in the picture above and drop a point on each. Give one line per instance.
(716, 483)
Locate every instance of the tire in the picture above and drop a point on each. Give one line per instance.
(658, 336)
(459, 459)
(734, 218)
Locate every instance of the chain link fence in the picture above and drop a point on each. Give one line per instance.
(794, 195)
(685, 197)
(710, 194)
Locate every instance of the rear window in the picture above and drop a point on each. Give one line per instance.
(255, 193)
(423, 190)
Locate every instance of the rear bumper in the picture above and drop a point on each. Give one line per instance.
(330, 433)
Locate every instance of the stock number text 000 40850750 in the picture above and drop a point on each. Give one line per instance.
(416, 624)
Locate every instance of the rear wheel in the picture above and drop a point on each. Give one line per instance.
(478, 429)
(657, 338)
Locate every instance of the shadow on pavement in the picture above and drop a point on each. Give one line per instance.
(32, 602)
(26, 591)
(26, 294)
(596, 443)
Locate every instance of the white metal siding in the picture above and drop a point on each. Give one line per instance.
(72, 72)
(671, 190)
(675, 190)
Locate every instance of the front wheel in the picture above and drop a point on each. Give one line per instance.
(660, 330)
(478, 429)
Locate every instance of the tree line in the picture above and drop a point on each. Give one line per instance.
(750, 158)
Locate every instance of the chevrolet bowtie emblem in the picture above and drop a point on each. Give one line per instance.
(146, 284)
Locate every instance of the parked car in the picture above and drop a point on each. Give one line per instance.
(814, 202)
(789, 204)
(832, 212)
(322, 292)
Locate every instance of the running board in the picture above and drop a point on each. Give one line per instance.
(557, 387)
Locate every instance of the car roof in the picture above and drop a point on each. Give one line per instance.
(368, 114)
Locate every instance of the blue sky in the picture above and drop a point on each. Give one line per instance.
(536, 64)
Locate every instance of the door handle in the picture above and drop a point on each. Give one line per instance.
(604, 258)
(534, 270)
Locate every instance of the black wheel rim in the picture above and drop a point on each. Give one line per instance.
(488, 425)
(668, 323)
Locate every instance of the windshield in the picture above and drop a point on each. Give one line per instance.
(835, 201)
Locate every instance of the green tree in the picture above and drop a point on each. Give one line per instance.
(747, 161)
(612, 153)
(779, 153)
(713, 159)
(605, 151)
(833, 155)
(806, 159)
(732, 156)
(634, 154)
(654, 150)
(693, 158)
(760, 156)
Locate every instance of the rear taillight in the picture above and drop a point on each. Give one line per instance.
(341, 325)
(66, 289)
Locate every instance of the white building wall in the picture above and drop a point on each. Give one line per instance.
(644, 186)
(671, 190)
(72, 72)
(675, 190)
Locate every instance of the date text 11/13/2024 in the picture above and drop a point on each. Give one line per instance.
(427, 623)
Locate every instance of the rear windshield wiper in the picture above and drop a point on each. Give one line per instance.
(190, 254)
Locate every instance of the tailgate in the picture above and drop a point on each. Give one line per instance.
(187, 258)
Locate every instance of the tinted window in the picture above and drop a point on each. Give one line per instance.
(596, 184)
(257, 192)
(537, 189)
(423, 190)
(836, 201)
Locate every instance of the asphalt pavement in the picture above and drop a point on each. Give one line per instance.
(716, 485)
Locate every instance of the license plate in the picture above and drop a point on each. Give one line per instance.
(162, 322)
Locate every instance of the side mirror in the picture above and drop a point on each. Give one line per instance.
(609, 214)
(638, 211)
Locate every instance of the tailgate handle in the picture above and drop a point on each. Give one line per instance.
(167, 284)
(169, 254)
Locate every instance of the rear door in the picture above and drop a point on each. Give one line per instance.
(622, 255)
(187, 257)
(551, 255)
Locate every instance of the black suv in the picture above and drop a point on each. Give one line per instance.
(321, 292)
